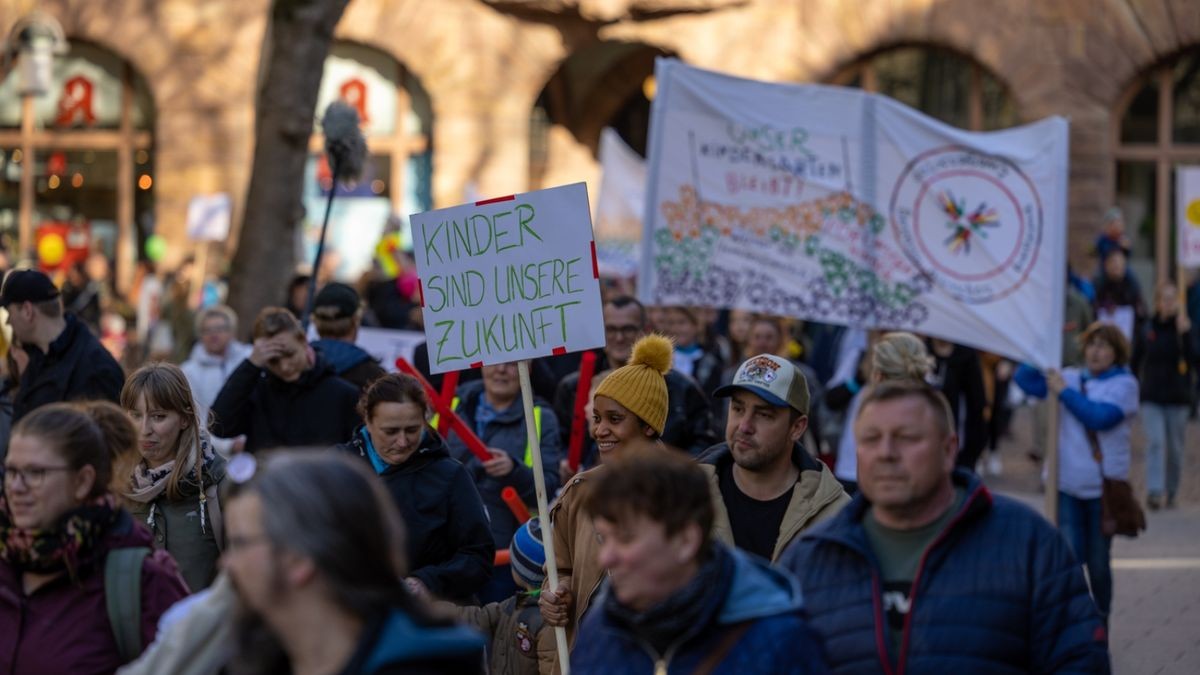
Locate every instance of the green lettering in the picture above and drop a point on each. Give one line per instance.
(525, 328)
(489, 334)
(562, 316)
(536, 315)
(525, 215)
(498, 233)
(435, 285)
(428, 241)
(571, 289)
(445, 337)
(462, 337)
(461, 240)
(480, 248)
(475, 299)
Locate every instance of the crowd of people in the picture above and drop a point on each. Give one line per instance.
(751, 494)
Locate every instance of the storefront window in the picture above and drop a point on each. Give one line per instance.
(397, 176)
(1156, 130)
(937, 82)
(92, 148)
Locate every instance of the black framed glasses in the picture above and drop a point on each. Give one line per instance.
(31, 476)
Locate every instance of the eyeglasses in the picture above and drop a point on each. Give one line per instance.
(627, 332)
(32, 477)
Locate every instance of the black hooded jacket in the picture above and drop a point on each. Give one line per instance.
(449, 541)
(76, 367)
(316, 410)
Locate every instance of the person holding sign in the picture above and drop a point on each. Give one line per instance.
(449, 545)
(1095, 427)
(492, 408)
(675, 597)
(629, 412)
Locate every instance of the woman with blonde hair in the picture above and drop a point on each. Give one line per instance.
(174, 488)
(892, 356)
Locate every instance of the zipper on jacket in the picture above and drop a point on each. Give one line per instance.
(912, 595)
(880, 638)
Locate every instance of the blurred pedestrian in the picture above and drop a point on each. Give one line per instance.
(284, 394)
(1165, 375)
(677, 598)
(337, 314)
(316, 556)
(214, 358)
(62, 535)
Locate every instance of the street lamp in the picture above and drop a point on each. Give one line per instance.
(34, 41)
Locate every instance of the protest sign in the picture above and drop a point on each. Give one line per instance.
(208, 217)
(1187, 215)
(847, 207)
(619, 207)
(508, 279)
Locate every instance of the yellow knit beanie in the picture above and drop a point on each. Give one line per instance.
(640, 386)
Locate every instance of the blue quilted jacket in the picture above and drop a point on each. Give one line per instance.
(777, 641)
(998, 592)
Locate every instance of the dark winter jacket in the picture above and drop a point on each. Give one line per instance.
(397, 645)
(960, 378)
(449, 543)
(64, 628)
(506, 432)
(747, 591)
(77, 367)
(997, 592)
(689, 425)
(1167, 364)
(350, 362)
(521, 642)
(316, 410)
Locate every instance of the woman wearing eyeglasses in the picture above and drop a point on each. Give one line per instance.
(60, 531)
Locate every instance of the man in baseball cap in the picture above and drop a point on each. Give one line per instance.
(766, 487)
(337, 314)
(66, 362)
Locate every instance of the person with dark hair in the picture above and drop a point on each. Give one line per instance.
(765, 485)
(316, 555)
(1166, 370)
(629, 410)
(677, 598)
(66, 362)
(337, 314)
(958, 374)
(689, 426)
(1098, 402)
(16, 359)
(174, 488)
(284, 394)
(61, 534)
(449, 543)
(926, 571)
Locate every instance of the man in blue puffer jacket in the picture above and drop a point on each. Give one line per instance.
(676, 601)
(928, 572)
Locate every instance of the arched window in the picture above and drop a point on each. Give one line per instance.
(92, 168)
(938, 82)
(397, 177)
(1156, 128)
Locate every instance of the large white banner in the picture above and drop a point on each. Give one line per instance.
(508, 279)
(840, 206)
(1187, 215)
(619, 207)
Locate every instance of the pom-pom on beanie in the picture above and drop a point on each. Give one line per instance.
(640, 386)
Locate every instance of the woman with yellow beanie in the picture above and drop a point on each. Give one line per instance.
(629, 410)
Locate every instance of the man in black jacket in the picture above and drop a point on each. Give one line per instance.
(689, 426)
(337, 314)
(284, 394)
(66, 362)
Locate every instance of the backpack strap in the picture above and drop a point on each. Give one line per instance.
(123, 598)
(723, 647)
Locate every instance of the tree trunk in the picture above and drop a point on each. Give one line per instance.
(294, 51)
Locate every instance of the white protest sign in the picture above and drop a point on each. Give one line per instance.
(1187, 214)
(619, 207)
(848, 207)
(508, 279)
(208, 217)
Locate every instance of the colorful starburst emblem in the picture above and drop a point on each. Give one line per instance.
(965, 226)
